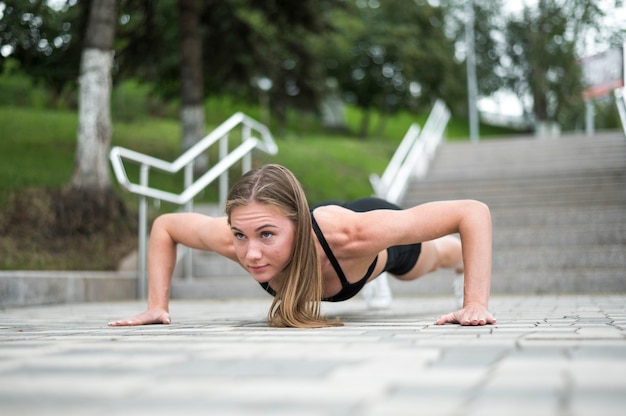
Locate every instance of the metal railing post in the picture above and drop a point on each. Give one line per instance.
(142, 281)
(246, 163)
(620, 101)
(188, 252)
(223, 149)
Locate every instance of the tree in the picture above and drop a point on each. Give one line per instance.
(242, 41)
(44, 40)
(543, 47)
(191, 81)
(398, 57)
(89, 202)
(91, 166)
(270, 40)
(488, 49)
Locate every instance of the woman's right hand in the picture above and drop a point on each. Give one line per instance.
(151, 316)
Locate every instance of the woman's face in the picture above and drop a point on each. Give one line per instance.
(263, 238)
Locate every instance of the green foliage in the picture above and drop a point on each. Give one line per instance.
(544, 45)
(399, 57)
(488, 26)
(18, 89)
(375, 50)
(44, 40)
(132, 100)
(333, 167)
(36, 150)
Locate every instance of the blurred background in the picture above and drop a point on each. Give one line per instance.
(338, 82)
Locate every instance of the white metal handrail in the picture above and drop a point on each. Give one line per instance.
(620, 101)
(185, 162)
(413, 156)
(267, 144)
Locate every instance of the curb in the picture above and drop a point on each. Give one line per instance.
(30, 288)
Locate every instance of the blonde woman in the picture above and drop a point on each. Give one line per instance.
(303, 256)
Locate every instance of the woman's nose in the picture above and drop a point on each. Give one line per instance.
(253, 251)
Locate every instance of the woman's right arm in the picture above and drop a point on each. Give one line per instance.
(190, 229)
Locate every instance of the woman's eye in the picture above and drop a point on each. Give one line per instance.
(266, 234)
(239, 236)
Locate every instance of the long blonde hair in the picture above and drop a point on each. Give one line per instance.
(298, 300)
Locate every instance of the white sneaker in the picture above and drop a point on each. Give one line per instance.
(377, 293)
(458, 284)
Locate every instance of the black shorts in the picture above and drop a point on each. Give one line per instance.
(400, 259)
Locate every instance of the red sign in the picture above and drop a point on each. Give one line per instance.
(602, 73)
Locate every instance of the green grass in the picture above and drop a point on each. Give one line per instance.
(334, 168)
(18, 89)
(38, 146)
(36, 150)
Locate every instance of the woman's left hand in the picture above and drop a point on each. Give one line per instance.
(469, 315)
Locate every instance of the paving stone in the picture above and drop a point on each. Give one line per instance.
(552, 355)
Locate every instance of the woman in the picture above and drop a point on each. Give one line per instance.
(304, 256)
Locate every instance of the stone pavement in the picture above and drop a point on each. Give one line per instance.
(547, 355)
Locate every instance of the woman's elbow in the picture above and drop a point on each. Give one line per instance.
(161, 225)
(478, 211)
(480, 207)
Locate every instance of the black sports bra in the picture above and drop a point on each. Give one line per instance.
(348, 290)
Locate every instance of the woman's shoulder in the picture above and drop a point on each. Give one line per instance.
(332, 216)
(340, 226)
(328, 210)
(364, 232)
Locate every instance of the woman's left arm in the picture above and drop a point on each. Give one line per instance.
(476, 238)
(472, 220)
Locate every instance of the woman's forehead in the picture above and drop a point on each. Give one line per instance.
(256, 210)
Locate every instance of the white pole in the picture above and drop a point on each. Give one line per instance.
(589, 118)
(188, 252)
(472, 89)
(142, 278)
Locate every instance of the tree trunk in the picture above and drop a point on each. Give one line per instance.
(191, 80)
(89, 204)
(365, 123)
(91, 167)
(382, 123)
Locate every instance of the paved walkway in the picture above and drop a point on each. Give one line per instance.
(545, 356)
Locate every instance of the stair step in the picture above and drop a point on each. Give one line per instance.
(584, 235)
(511, 281)
(550, 216)
(607, 186)
(560, 257)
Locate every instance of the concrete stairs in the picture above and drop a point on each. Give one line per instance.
(558, 208)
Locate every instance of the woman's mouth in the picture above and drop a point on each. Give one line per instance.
(258, 269)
